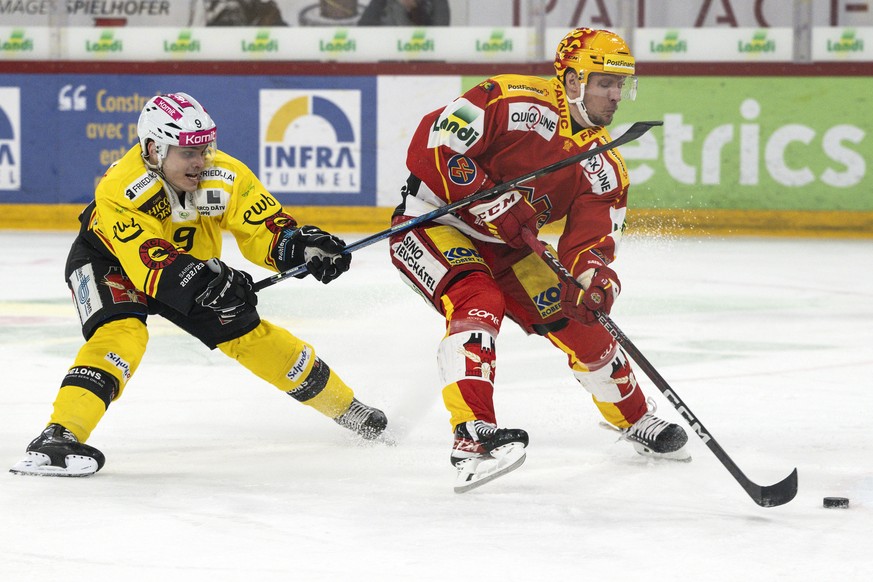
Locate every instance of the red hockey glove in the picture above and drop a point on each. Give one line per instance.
(600, 287)
(506, 215)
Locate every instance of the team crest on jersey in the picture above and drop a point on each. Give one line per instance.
(121, 288)
(279, 222)
(462, 170)
(156, 253)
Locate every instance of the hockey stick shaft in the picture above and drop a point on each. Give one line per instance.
(634, 132)
(765, 496)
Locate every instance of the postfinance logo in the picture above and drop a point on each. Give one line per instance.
(310, 140)
(10, 138)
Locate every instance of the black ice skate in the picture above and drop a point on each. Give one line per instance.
(56, 452)
(482, 452)
(366, 421)
(653, 437)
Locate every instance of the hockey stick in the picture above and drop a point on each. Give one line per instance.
(765, 496)
(634, 132)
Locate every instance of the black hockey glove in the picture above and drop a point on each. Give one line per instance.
(230, 293)
(319, 250)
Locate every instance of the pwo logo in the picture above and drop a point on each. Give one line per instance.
(310, 140)
(10, 138)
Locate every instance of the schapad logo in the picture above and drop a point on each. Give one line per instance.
(310, 140)
(10, 138)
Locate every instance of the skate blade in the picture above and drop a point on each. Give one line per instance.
(474, 473)
(37, 464)
(681, 455)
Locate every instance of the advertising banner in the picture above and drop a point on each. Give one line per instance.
(750, 143)
(753, 143)
(312, 138)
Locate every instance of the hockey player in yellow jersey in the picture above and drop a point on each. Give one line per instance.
(149, 244)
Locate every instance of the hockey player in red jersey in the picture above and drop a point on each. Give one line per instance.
(475, 269)
(150, 244)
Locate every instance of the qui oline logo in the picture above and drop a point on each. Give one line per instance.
(311, 141)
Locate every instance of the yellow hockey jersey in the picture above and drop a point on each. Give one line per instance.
(162, 237)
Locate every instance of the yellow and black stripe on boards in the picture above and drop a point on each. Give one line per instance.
(672, 222)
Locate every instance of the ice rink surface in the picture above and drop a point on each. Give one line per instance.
(213, 475)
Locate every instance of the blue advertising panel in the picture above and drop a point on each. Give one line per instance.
(311, 140)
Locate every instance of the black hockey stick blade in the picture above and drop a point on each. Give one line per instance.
(773, 495)
(634, 132)
(768, 496)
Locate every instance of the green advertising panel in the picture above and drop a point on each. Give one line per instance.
(757, 143)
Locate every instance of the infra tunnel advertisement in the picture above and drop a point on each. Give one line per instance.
(311, 140)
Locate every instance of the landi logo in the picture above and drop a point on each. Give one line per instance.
(262, 43)
(671, 44)
(185, 43)
(846, 44)
(16, 43)
(106, 44)
(310, 140)
(340, 43)
(495, 44)
(10, 138)
(759, 44)
(419, 43)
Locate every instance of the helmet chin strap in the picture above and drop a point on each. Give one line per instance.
(581, 106)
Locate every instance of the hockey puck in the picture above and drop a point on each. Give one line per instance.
(836, 502)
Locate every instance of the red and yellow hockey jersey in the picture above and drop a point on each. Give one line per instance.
(509, 126)
(161, 238)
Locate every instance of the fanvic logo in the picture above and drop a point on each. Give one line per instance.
(462, 170)
(549, 301)
(311, 140)
(10, 138)
(686, 414)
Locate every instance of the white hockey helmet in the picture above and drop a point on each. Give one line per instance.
(174, 119)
